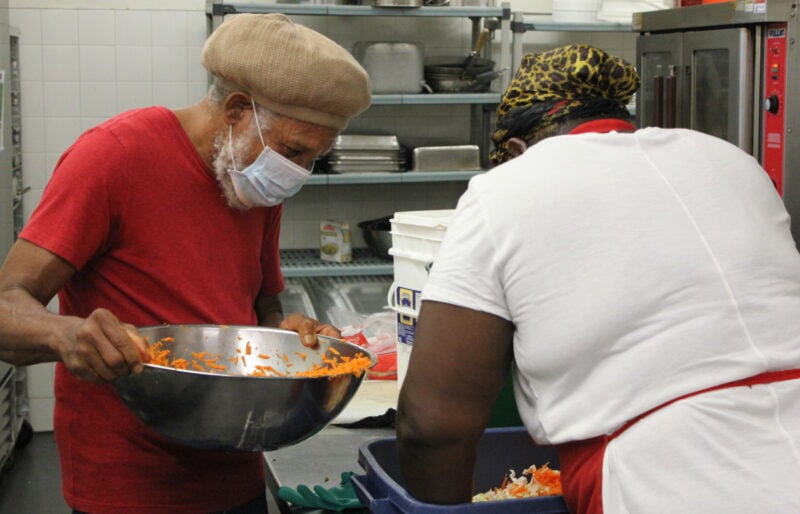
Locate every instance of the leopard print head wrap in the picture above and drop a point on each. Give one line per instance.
(559, 82)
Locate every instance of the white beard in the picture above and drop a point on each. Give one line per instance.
(224, 161)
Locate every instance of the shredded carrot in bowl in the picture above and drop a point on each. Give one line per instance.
(333, 362)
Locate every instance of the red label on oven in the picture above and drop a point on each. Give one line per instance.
(772, 140)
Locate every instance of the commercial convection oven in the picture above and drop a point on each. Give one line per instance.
(729, 69)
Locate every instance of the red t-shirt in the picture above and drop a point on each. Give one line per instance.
(133, 207)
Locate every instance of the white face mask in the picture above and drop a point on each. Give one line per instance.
(270, 179)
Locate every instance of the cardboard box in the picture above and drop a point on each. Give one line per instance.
(334, 241)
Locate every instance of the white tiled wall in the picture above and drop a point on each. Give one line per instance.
(83, 61)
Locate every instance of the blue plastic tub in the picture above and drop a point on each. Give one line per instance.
(500, 449)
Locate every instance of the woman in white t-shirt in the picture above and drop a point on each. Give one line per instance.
(645, 287)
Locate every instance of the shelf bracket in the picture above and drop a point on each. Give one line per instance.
(221, 9)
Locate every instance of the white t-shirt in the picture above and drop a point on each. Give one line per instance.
(636, 268)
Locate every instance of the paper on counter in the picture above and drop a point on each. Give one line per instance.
(373, 398)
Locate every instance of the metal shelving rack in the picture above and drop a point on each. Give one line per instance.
(217, 8)
(8, 416)
(391, 177)
(306, 263)
(500, 18)
(522, 23)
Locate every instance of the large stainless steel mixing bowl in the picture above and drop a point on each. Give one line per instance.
(229, 410)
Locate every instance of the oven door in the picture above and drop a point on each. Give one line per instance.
(718, 72)
(658, 59)
(699, 79)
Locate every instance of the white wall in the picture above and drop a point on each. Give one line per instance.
(83, 61)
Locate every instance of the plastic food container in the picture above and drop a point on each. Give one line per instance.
(381, 487)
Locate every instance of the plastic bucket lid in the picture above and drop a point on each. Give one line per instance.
(438, 219)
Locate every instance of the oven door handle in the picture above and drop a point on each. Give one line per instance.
(670, 102)
(658, 101)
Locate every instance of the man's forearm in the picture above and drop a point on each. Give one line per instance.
(28, 331)
(269, 311)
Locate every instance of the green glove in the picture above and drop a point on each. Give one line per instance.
(340, 497)
(336, 498)
(302, 496)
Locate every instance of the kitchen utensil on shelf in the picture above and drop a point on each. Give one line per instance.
(477, 84)
(366, 153)
(230, 410)
(446, 158)
(453, 65)
(470, 60)
(394, 67)
(378, 236)
(444, 75)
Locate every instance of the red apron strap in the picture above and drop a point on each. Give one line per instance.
(582, 461)
(582, 474)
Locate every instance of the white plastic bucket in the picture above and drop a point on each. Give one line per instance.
(416, 236)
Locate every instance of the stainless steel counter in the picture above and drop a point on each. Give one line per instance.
(321, 459)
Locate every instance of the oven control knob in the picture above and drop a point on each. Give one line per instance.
(771, 104)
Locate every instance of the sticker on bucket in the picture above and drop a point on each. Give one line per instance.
(408, 301)
(405, 302)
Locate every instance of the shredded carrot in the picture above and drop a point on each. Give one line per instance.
(333, 363)
(180, 363)
(547, 478)
(519, 491)
(269, 369)
(247, 349)
(355, 366)
(541, 481)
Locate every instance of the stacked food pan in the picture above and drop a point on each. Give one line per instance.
(366, 153)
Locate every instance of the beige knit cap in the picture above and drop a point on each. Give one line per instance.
(288, 68)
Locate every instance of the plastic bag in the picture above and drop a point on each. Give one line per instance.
(376, 332)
